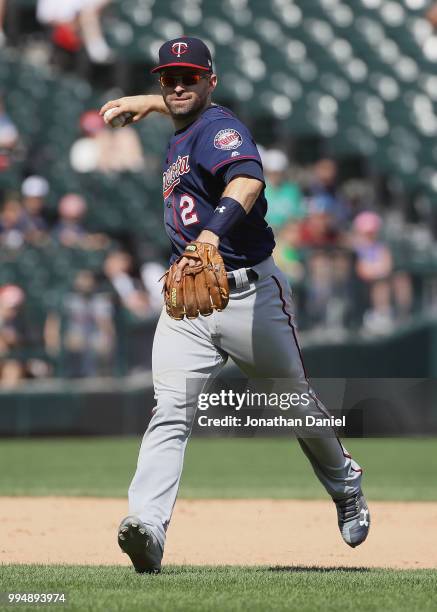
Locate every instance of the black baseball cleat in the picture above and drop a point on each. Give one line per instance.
(353, 518)
(136, 540)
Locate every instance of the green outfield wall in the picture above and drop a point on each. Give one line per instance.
(122, 405)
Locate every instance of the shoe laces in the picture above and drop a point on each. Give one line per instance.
(349, 507)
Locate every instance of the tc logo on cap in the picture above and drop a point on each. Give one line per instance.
(179, 48)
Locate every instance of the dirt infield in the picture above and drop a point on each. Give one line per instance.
(72, 530)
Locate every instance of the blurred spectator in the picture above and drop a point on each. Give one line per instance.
(324, 185)
(12, 335)
(102, 149)
(20, 335)
(374, 260)
(319, 289)
(284, 197)
(329, 296)
(34, 190)
(74, 22)
(12, 224)
(2, 22)
(8, 130)
(287, 252)
(86, 154)
(151, 275)
(11, 300)
(319, 228)
(359, 195)
(118, 269)
(402, 287)
(10, 146)
(431, 14)
(69, 230)
(85, 329)
(375, 268)
(343, 310)
(91, 30)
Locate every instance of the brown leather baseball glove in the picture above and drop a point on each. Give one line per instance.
(203, 286)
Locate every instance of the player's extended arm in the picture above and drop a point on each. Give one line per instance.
(244, 191)
(138, 106)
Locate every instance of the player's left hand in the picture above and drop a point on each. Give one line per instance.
(197, 283)
(204, 236)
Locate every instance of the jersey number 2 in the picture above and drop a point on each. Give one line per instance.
(188, 210)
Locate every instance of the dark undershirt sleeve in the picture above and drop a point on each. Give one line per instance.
(249, 167)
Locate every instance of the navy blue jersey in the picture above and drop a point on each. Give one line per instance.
(201, 159)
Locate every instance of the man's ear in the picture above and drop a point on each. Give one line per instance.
(212, 83)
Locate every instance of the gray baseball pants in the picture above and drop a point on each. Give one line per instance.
(257, 331)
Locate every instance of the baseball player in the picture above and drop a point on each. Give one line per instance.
(224, 296)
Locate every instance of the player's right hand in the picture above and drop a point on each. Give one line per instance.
(139, 106)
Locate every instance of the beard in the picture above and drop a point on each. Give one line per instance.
(184, 108)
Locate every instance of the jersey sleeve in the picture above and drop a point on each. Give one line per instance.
(244, 167)
(225, 145)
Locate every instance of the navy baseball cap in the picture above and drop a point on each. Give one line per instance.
(184, 51)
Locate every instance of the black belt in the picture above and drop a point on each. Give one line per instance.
(251, 277)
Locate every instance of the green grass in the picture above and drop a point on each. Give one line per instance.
(227, 589)
(395, 469)
(222, 468)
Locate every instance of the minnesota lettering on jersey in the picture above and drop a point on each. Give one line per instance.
(171, 177)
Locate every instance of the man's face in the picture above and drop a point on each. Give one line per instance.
(184, 99)
(33, 204)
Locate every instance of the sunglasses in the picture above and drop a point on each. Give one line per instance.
(169, 80)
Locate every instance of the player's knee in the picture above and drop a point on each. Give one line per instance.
(168, 426)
